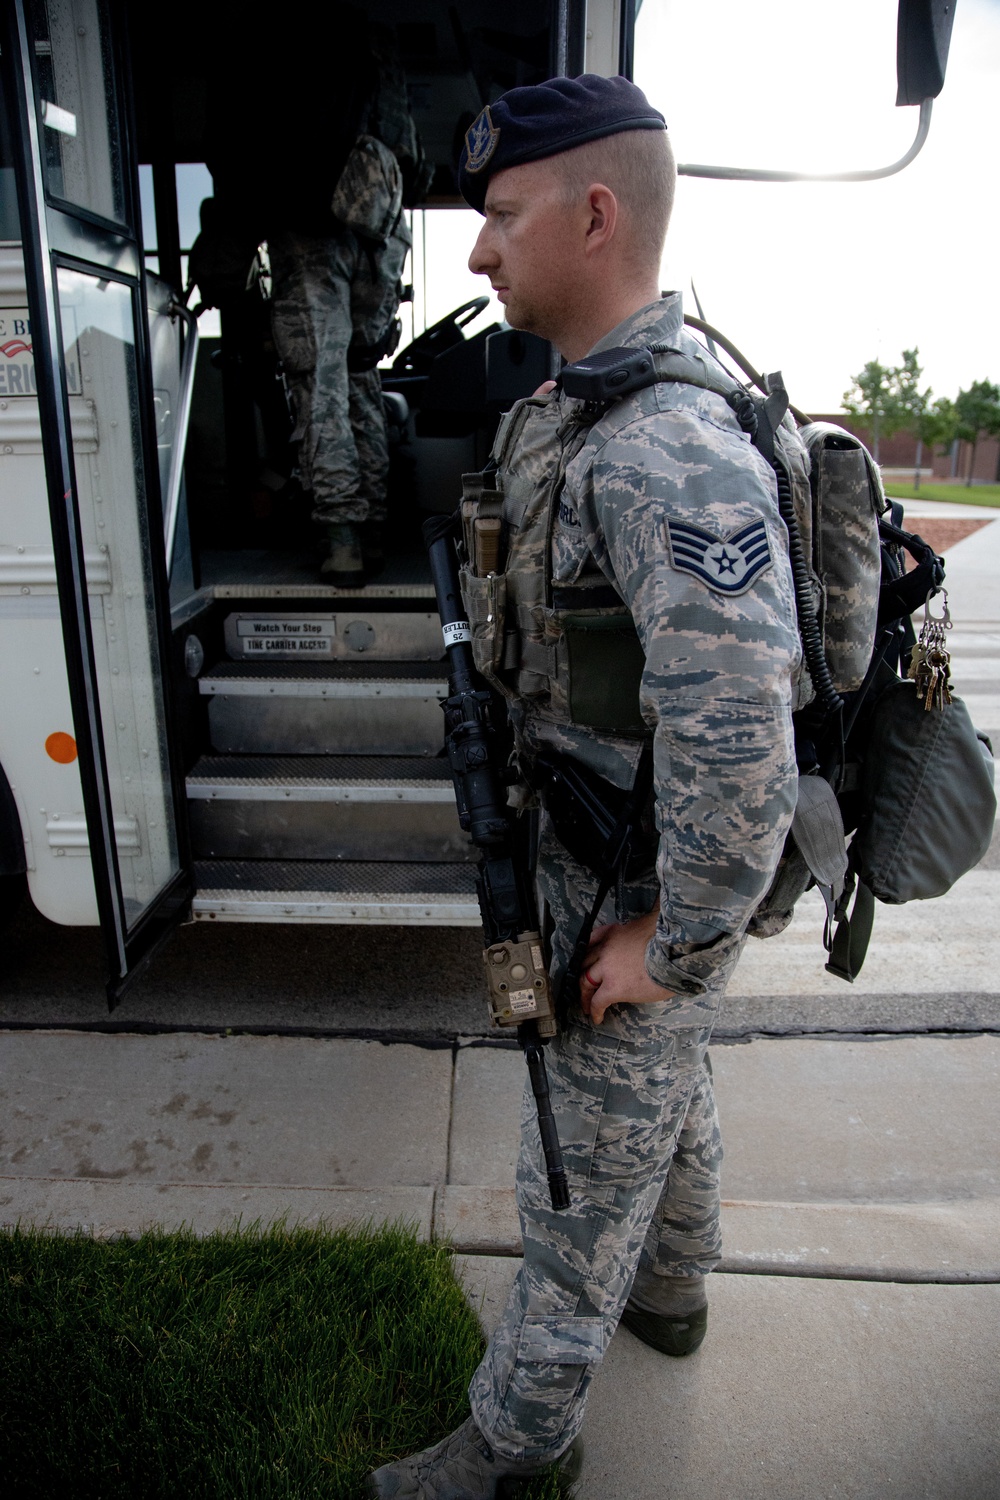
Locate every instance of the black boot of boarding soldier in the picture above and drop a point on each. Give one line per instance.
(463, 1466)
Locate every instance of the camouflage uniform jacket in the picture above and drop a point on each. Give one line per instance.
(669, 501)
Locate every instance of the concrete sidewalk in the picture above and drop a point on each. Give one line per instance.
(803, 1390)
(972, 566)
(855, 1334)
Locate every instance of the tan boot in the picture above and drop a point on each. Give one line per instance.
(344, 565)
(463, 1466)
(670, 1313)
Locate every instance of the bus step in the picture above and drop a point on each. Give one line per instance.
(354, 891)
(349, 634)
(368, 807)
(284, 578)
(331, 708)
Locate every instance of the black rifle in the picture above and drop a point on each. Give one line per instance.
(516, 976)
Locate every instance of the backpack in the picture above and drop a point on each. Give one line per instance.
(896, 798)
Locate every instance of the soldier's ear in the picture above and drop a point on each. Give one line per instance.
(602, 217)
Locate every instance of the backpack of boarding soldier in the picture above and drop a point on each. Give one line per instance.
(895, 797)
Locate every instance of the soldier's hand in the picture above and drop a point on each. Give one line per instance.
(615, 971)
(544, 388)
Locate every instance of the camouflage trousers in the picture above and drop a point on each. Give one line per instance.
(637, 1122)
(327, 290)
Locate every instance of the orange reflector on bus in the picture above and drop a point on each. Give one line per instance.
(61, 747)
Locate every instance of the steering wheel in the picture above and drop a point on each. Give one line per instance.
(417, 358)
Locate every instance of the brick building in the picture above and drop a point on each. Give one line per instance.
(898, 454)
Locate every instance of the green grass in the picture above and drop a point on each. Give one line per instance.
(976, 494)
(283, 1363)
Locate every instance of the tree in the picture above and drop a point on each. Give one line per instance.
(914, 405)
(977, 410)
(873, 397)
(936, 427)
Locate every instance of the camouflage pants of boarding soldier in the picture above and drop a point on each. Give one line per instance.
(637, 1122)
(328, 290)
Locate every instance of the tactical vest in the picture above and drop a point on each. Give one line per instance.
(572, 650)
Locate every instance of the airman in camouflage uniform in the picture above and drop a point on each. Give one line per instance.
(336, 288)
(664, 499)
(633, 1097)
(332, 291)
(324, 184)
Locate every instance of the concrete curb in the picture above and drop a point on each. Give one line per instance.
(918, 1242)
(926, 1242)
(946, 1243)
(111, 1210)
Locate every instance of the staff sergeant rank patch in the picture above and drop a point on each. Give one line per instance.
(727, 564)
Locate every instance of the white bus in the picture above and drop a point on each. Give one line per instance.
(192, 724)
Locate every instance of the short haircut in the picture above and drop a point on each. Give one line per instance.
(638, 167)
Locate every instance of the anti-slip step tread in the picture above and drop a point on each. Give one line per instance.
(259, 574)
(333, 671)
(318, 770)
(340, 877)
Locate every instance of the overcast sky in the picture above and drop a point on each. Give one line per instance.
(815, 279)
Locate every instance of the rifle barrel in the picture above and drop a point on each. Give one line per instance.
(552, 1151)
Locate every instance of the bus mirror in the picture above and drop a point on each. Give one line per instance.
(923, 35)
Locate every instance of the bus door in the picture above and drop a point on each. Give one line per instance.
(64, 67)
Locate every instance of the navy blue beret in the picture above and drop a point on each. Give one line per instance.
(528, 124)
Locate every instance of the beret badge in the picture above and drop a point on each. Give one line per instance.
(481, 141)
